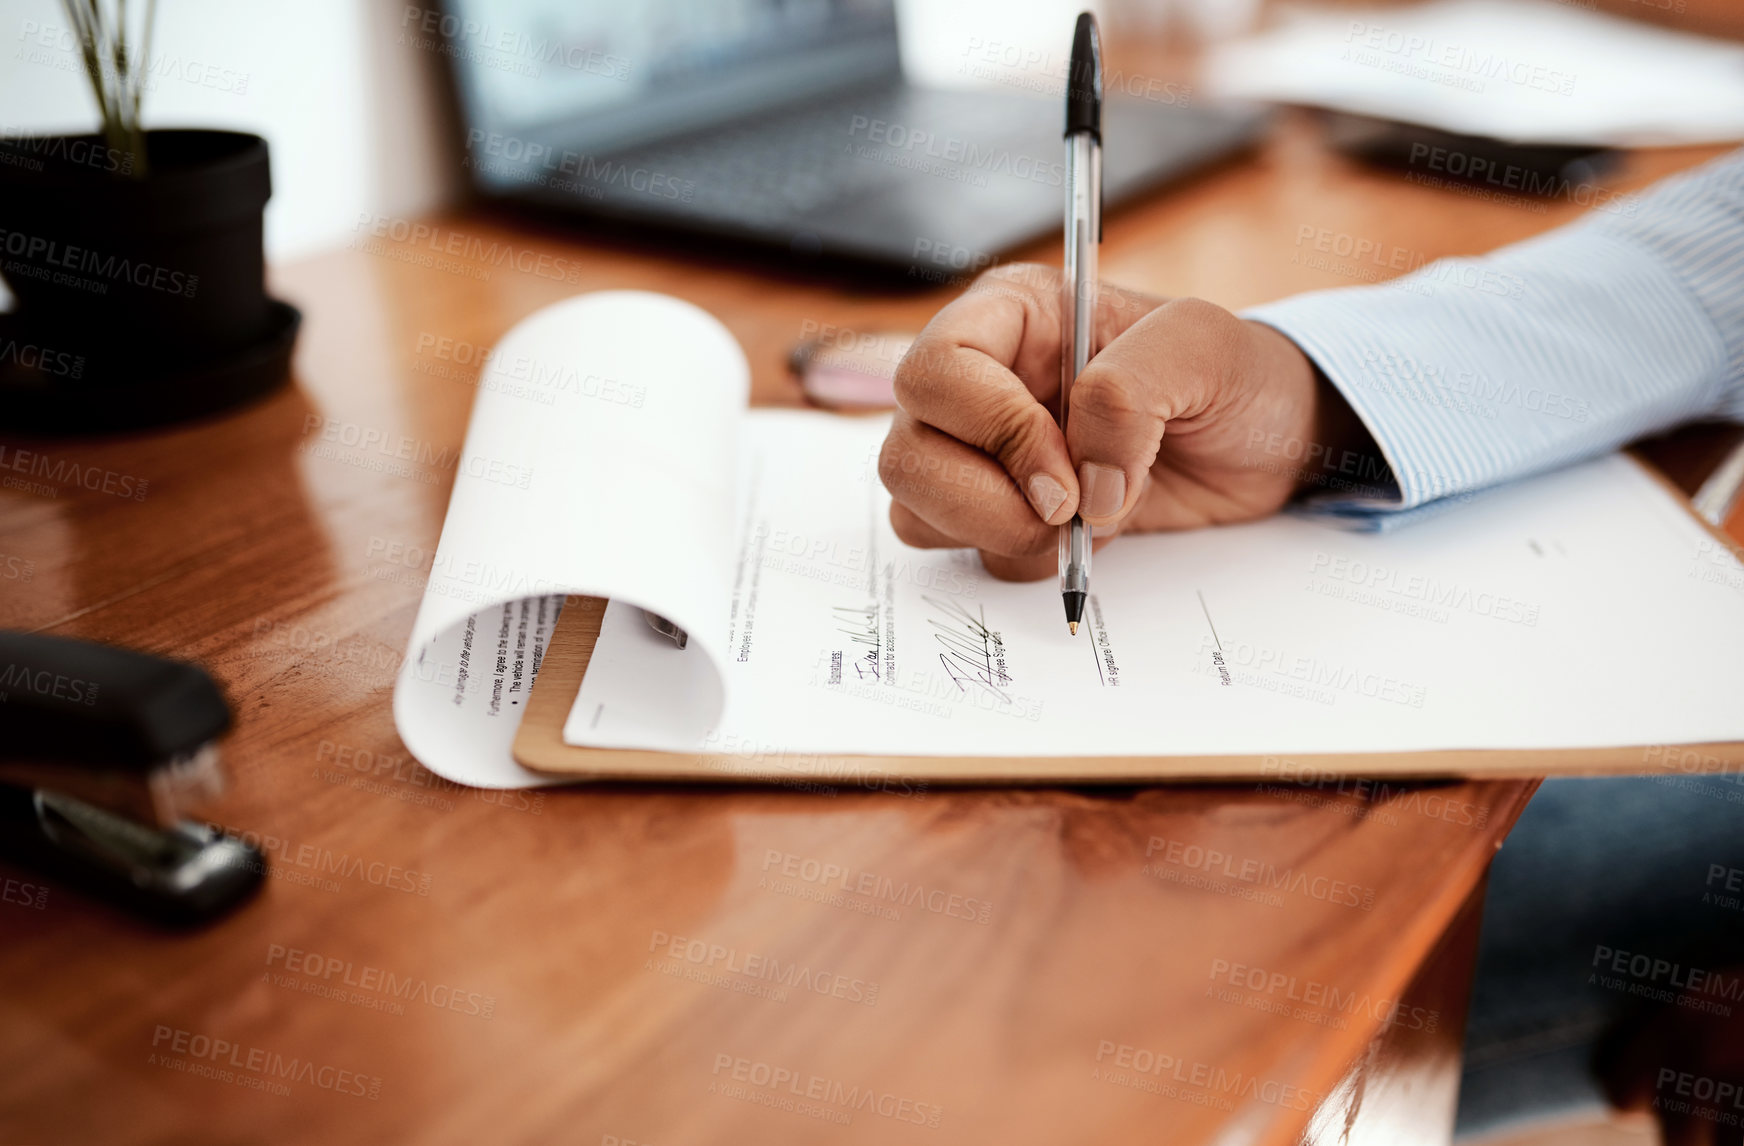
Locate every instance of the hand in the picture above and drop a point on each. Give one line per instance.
(1187, 416)
(1685, 1065)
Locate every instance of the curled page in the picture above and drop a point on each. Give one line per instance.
(600, 461)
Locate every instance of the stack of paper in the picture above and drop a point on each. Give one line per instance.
(1528, 71)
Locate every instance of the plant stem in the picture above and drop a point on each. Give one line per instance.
(88, 48)
(128, 74)
(104, 46)
(144, 57)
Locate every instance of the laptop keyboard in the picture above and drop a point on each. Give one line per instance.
(795, 161)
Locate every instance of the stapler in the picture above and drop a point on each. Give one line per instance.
(101, 752)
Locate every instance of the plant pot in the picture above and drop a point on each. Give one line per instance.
(172, 261)
(155, 287)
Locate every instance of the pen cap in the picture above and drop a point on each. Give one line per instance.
(1084, 79)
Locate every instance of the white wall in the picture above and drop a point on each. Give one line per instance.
(352, 117)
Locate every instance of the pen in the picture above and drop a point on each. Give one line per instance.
(1078, 281)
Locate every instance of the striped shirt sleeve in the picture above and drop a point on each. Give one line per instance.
(1470, 372)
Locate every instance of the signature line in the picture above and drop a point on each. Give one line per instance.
(1208, 620)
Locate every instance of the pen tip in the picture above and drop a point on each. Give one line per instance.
(1074, 603)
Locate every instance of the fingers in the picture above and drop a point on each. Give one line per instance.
(1169, 365)
(911, 530)
(1012, 315)
(1682, 1130)
(1034, 568)
(983, 369)
(1038, 566)
(1646, 1060)
(975, 458)
(1000, 417)
(957, 493)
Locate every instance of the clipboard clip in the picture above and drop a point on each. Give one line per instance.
(666, 628)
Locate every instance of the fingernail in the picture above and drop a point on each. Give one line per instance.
(1045, 494)
(1101, 490)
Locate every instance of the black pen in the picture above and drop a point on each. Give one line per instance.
(1078, 281)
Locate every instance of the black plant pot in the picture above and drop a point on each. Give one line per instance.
(137, 301)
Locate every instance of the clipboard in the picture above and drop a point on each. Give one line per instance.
(539, 743)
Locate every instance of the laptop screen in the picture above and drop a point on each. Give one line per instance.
(603, 74)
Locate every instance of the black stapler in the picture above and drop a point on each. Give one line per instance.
(101, 751)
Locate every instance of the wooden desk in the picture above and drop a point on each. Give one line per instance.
(432, 964)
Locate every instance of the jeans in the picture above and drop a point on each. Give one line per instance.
(1594, 867)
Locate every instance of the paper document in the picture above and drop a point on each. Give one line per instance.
(1583, 609)
(1528, 71)
(598, 461)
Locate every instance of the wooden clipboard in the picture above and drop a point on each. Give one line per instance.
(539, 744)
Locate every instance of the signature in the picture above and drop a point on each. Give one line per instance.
(973, 655)
(861, 625)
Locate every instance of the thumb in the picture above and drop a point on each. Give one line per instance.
(1166, 366)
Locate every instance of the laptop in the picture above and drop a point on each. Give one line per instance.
(787, 124)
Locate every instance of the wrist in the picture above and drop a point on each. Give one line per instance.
(1342, 456)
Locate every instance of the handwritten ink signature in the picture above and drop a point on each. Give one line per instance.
(861, 625)
(973, 654)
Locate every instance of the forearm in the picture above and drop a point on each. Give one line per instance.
(1474, 371)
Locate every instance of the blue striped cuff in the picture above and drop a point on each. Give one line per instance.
(1694, 224)
(1470, 372)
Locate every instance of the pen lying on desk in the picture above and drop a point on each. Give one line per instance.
(1078, 308)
